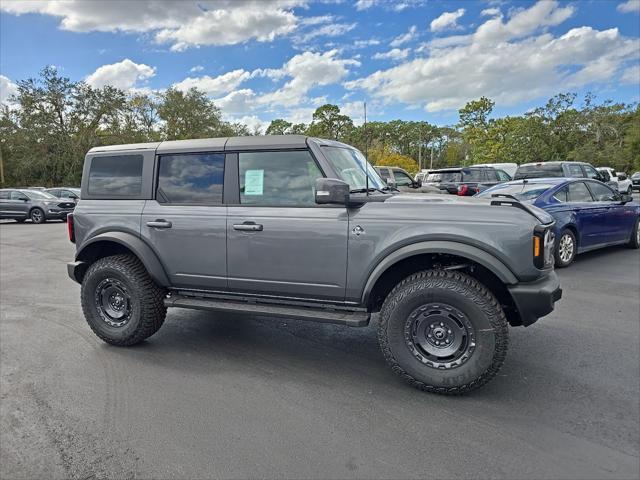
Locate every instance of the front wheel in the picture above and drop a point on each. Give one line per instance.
(634, 241)
(566, 248)
(443, 332)
(37, 215)
(630, 190)
(121, 303)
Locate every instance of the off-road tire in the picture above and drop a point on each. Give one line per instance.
(146, 299)
(37, 215)
(468, 296)
(634, 241)
(559, 262)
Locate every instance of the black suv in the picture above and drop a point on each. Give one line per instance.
(558, 169)
(466, 181)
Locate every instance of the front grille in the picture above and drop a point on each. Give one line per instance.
(66, 205)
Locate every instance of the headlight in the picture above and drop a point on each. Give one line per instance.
(543, 244)
(49, 203)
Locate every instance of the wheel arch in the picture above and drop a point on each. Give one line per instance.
(113, 243)
(483, 266)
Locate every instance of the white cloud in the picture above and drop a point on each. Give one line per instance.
(197, 68)
(490, 12)
(124, 75)
(629, 6)
(215, 86)
(239, 102)
(631, 75)
(365, 4)
(366, 43)
(254, 123)
(183, 24)
(447, 20)
(7, 88)
(306, 70)
(330, 30)
(509, 61)
(404, 38)
(394, 54)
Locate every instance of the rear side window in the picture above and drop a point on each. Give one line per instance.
(4, 195)
(574, 170)
(539, 170)
(278, 178)
(475, 175)
(191, 179)
(578, 192)
(118, 175)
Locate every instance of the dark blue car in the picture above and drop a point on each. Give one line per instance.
(588, 213)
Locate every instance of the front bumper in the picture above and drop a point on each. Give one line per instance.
(536, 299)
(57, 213)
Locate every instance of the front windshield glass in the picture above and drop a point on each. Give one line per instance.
(521, 191)
(444, 177)
(350, 167)
(37, 195)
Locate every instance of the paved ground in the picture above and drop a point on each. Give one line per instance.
(236, 397)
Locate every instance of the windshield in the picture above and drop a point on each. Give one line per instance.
(521, 191)
(539, 170)
(37, 195)
(444, 177)
(350, 167)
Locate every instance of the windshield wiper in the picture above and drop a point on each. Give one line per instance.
(365, 190)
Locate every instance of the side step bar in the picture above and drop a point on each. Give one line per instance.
(350, 318)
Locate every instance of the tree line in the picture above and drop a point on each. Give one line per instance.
(49, 124)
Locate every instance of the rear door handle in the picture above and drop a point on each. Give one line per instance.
(159, 224)
(248, 227)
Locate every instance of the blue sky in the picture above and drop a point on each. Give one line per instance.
(259, 60)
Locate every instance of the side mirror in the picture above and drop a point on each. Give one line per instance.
(332, 191)
(417, 184)
(391, 183)
(24, 199)
(624, 198)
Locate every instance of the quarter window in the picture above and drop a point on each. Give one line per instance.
(191, 179)
(578, 192)
(116, 176)
(278, 178)
(561, 195)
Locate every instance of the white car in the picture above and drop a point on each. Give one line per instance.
(623, 183)
(508, 168)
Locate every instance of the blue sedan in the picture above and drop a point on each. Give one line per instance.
(588, 213)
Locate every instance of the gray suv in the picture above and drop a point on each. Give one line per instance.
(39, 206)
(293, 227)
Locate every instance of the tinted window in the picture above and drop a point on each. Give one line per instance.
(4, 195)
(574, 170)
(278, 178)
(55, 192)
(605, 175)
(578, 192)
(444, 177)
(539, 170)
(475, 175)
(402, 179)
(117, 175)
(591, 172)
(191, 178)
(18, 195)
(601, 193)
(562, 194)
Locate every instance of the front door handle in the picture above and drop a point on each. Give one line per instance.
(248, 227)
(159, 223)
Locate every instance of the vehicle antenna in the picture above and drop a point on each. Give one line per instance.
(366, 150)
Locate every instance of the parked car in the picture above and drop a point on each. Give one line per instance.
(635, 180)
(557, 169)
(588, 213)
(400, 179)
(285, 226)
(70, 193)
(23, 204)
(421, 175)
(466, 181)
(618, 180)
(509, 168)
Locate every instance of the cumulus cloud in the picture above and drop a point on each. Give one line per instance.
(509, 61)
(215, 86)
(124, 75)
(183, 24)
(447, 20)
(7, 88)
(406, 37)
(238, 102)
(197, 68)
(629, 6)
(490, 12)
(394, 54)
(329, 30)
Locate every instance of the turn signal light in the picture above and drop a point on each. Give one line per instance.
(537, 250)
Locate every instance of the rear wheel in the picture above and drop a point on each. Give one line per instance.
(634, 241)
(443, 332)
(120, 301)
(37, 215)
(566, 248)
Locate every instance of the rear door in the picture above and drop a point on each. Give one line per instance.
(280, 243)
(186, 222)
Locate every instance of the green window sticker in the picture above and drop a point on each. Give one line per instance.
(254, 182)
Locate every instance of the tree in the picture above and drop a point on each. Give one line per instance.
(189, 115)
(328, 122)
(387, 157)
(279, 127)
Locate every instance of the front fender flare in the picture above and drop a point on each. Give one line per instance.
(469, 252)
(139, 248)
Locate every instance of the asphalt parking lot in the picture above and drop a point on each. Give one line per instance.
(238, 397)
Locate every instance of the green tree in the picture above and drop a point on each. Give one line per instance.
(190, 115)
(328, 122)
(279, 127)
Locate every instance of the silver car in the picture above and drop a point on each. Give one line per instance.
(23, 204)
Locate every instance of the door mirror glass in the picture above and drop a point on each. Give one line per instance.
(331, 191)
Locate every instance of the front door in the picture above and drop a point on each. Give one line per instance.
(279, 242)
(186, 223)
(591, 216)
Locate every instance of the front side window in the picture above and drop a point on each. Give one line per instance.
(578, 192)
(605, 175)
(402, 179)
(191, 178)
(574, 171)
(119, 175)
(503, 176)
(591, 172)
(602, 193)
(350, 165)
(384, 173)
(284, 178)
